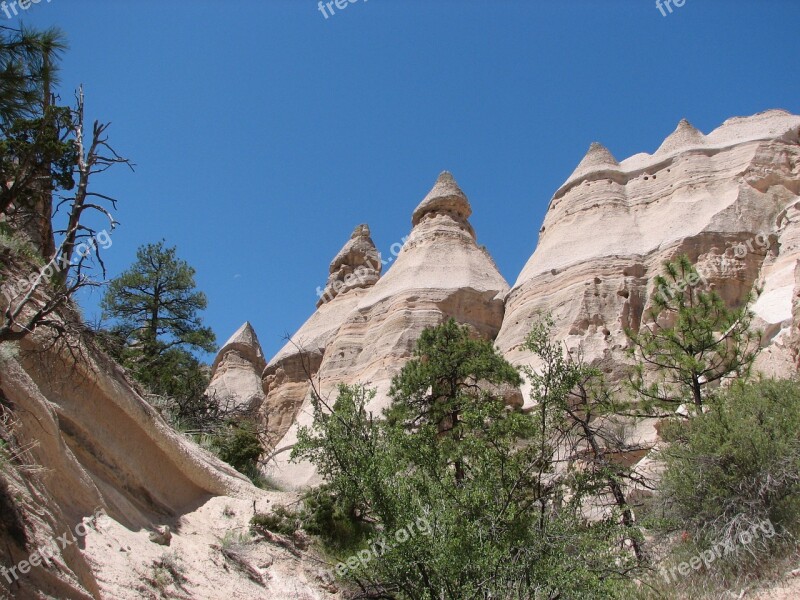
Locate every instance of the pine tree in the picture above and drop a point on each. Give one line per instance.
(690, 341)
(155, 309)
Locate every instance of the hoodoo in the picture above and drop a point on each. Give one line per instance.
(358, 265)
(236, 372)
(440, 273)
(684, 137)
(286, 381)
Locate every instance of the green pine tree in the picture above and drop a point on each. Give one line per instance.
(464, 471)
(690, 341)
(155, 307)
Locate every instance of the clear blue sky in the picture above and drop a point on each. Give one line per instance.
(263, 133)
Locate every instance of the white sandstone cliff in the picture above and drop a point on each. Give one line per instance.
(612, 225)
(236, 373)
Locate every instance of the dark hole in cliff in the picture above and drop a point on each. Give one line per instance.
(11, 522)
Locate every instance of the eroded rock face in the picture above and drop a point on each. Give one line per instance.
(236, 373)
(440, 273)
(729, 200)
(358, 265)
(777, 308)
(287, 380)
(89, 441)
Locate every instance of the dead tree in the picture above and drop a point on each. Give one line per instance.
(33, 301)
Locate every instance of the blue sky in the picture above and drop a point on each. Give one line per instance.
(263, 133)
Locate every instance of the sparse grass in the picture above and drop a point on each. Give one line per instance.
(725, 580)
(236, 541)
(13, 454)
(17, 245)
(12, 519)
(167, 570)
(281, 520)
(160, 579)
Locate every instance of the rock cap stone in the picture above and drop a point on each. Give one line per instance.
(245, 341)
(684, 137)
(445, 196)
(356, 265)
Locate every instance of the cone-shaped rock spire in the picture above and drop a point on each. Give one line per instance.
(236, 372)
(440, 272)
(598, 158)
(445, 197)
(357, 265)
(245, 342)
(685, 136)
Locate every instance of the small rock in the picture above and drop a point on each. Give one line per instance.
(301, 540)
(326, 581)
(161, 536)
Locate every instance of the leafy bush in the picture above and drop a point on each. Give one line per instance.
(737, 465)
(238, 445)
(335, 522)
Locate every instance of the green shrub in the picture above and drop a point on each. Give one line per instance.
(238, 445)
(735, 466)
(335, 522)
(458, 485)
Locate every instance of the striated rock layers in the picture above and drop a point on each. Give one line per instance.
(369, 332)
(236, 373)
(728, 199)
(287, 379)
(358, 265)
(77, 437)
